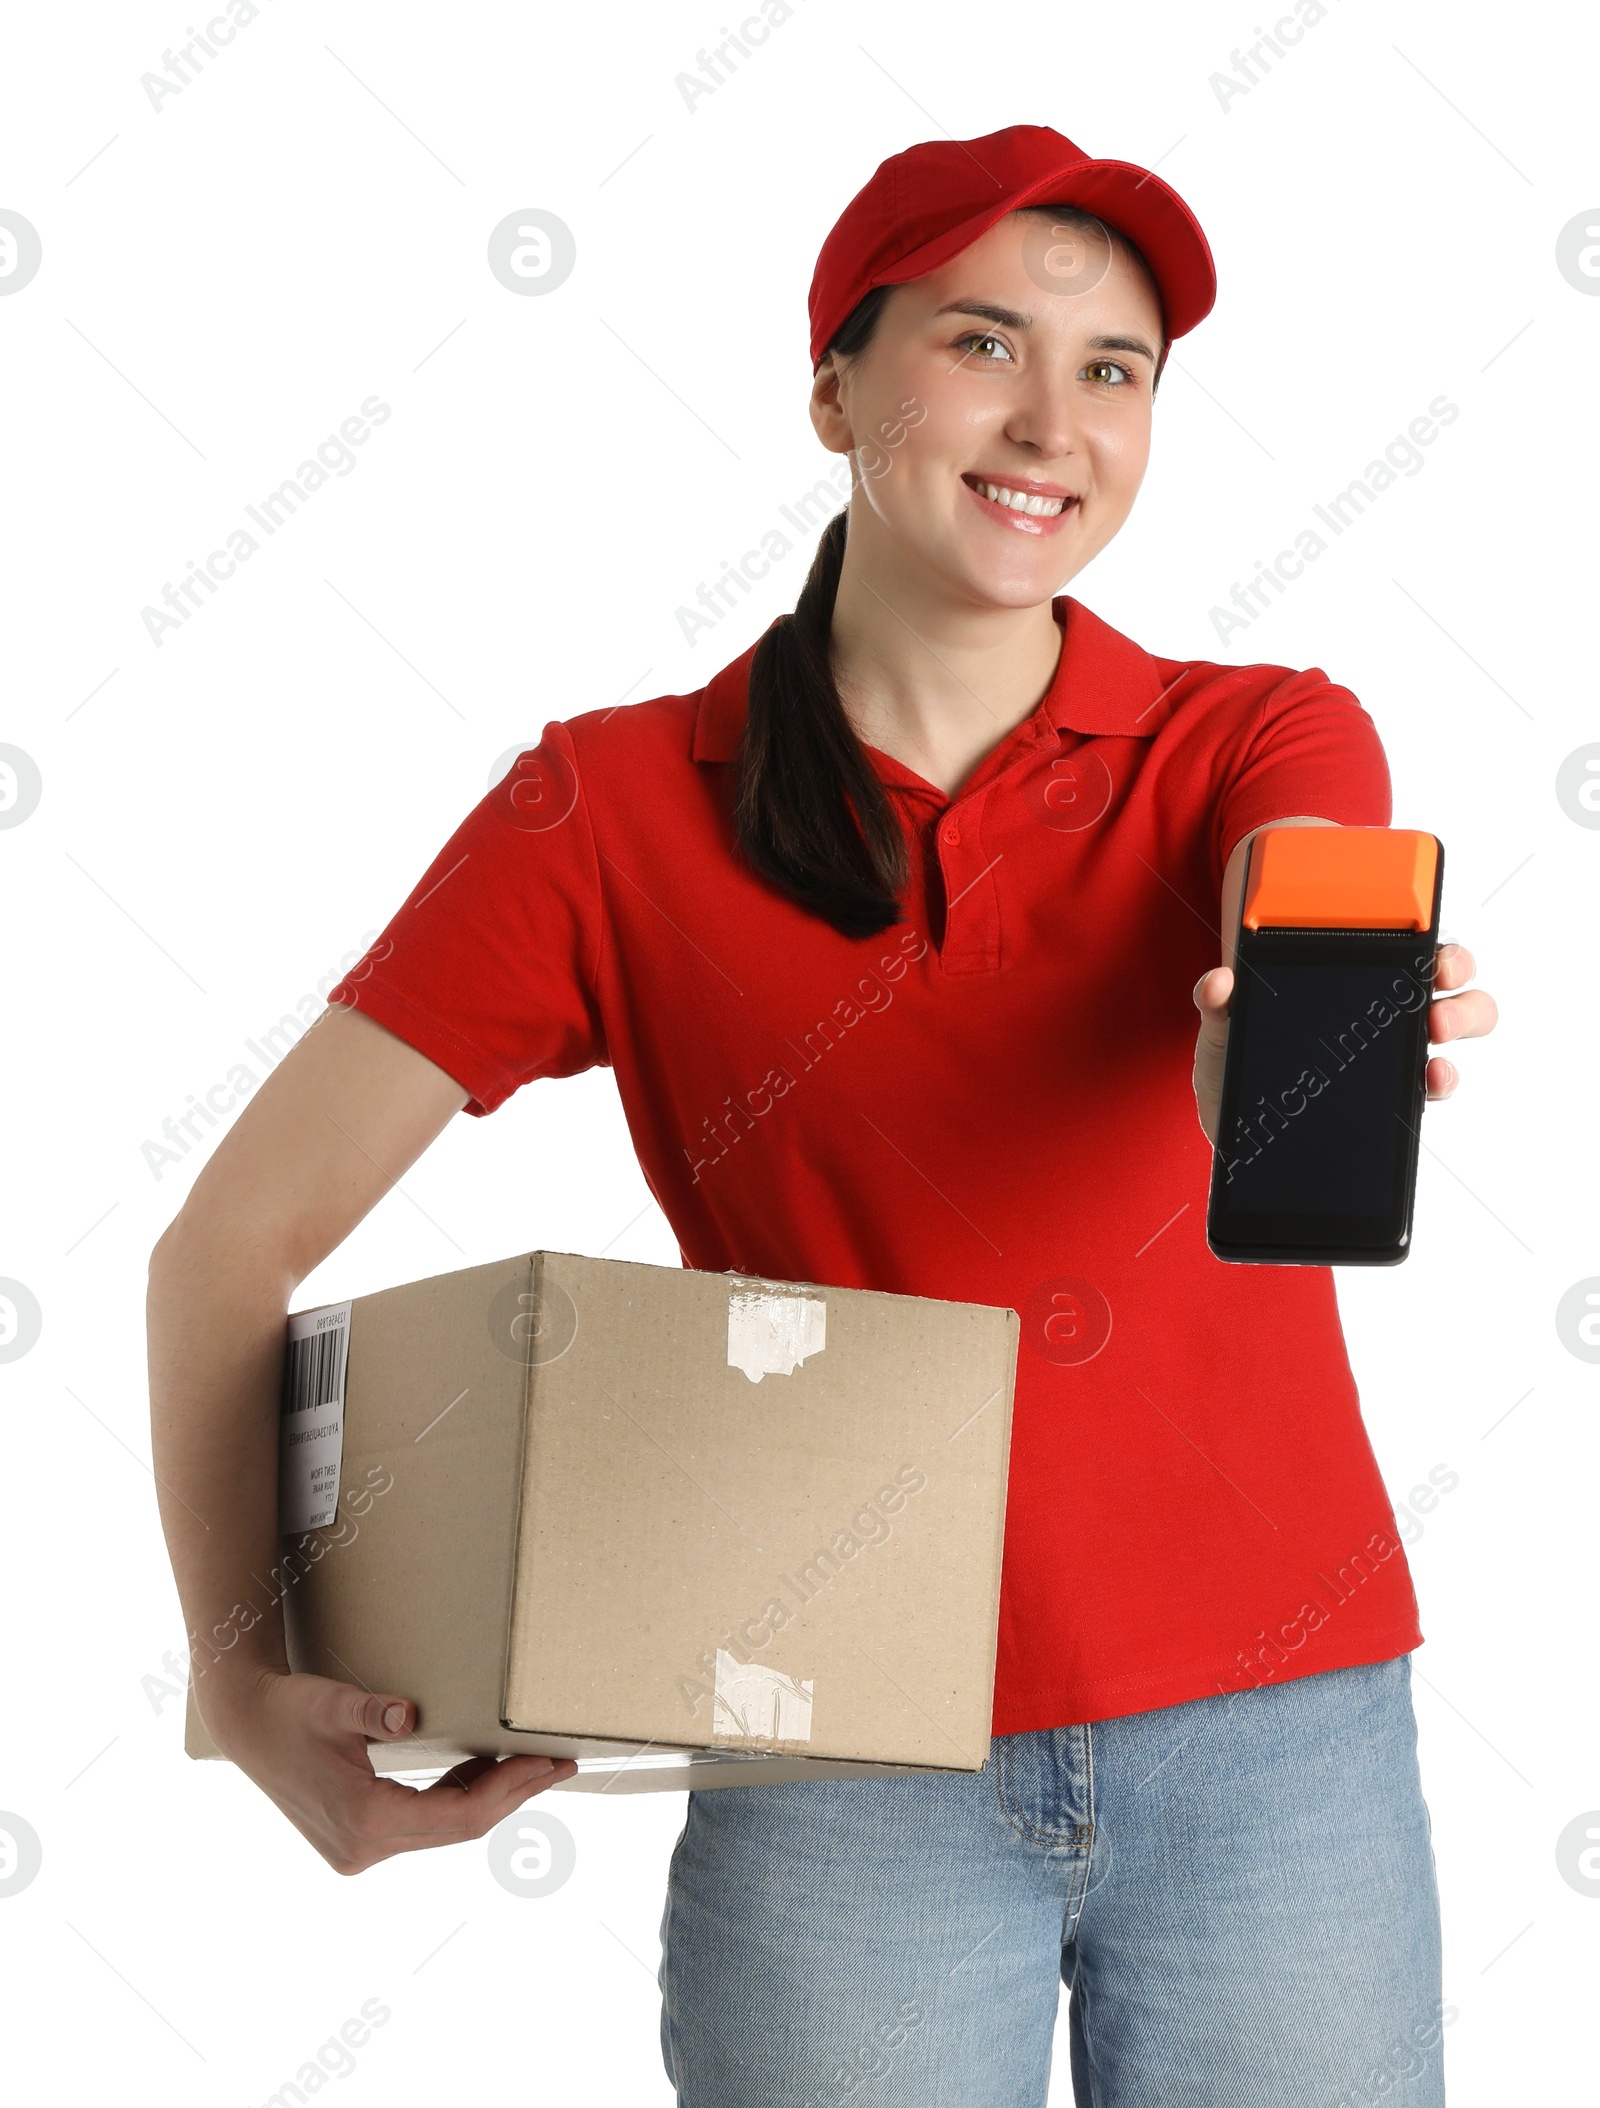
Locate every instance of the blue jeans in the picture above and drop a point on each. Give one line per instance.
(1239, 1893)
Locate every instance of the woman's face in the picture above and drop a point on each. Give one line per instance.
(1025, 364)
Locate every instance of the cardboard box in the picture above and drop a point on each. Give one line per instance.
(689, 1528)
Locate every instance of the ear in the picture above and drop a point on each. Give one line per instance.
(829, 418)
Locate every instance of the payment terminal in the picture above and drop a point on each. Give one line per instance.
(1315, 1161)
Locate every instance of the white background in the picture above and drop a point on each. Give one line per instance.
(227, 815)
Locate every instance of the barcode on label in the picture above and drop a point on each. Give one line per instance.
(313, 1371)
(311, 1424)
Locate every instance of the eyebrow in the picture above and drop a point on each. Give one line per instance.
(1011, 318)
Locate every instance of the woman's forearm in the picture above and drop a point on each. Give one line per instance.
(331, 1130)
(215, 1311)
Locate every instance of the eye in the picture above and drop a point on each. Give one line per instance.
(1109, 372)
(983, 336)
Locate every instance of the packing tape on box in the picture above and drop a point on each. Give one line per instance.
(752, 1703)
(773, 1326)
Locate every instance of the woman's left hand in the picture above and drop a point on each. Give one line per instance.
(1467, 1014)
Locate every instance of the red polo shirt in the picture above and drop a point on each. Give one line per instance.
(991, 1102)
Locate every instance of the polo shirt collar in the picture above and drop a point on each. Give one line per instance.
(1104, 683)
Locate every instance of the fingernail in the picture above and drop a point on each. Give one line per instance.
(394, 1718)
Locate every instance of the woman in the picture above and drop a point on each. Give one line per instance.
(890, 935)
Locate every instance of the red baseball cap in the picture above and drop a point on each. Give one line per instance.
(929, 203)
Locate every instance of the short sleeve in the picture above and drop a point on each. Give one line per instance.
(1313, 750)
(490, 965)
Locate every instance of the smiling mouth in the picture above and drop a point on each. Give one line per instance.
(1024, 504)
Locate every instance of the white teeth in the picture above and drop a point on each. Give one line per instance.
(1021, 501)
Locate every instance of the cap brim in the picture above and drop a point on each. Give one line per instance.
(1131, 199)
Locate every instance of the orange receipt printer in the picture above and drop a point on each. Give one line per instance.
(1324, 1078)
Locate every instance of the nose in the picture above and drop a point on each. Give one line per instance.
(1046, 416)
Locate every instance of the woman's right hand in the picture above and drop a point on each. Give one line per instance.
(340, 1119)
(303, 1740)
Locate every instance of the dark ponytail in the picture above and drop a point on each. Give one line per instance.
(810, 813)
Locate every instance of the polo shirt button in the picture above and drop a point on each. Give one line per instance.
(952, 834)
